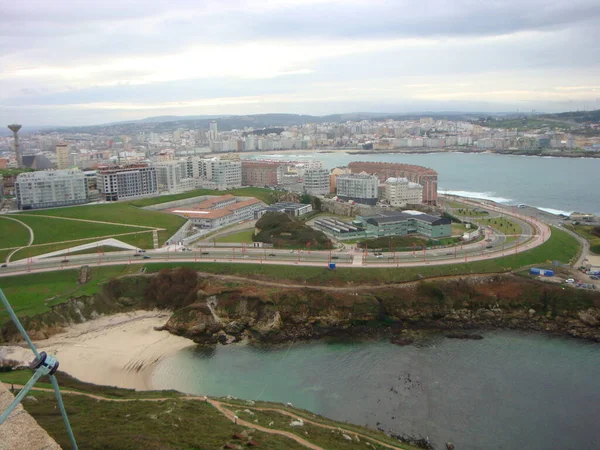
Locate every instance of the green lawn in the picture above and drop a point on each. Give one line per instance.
(266, 195)
(35, 293)
(239, 237)
(504, 226)
(48, 230)
(12, 234)
(120, 213)
(561, 246)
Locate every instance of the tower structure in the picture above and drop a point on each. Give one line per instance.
(15, 129)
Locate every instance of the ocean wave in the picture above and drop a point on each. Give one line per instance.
(554, 211)
(479, 195)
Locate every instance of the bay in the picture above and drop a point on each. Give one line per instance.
(510, 390)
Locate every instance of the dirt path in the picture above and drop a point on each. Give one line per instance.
(218, 406)
(318, 424)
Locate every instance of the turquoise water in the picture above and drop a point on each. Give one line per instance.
(556, 184)
(507, 391)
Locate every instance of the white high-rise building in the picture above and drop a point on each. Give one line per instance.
(316, 181)
(213, 132)
(358, 187)
(227, 174)
(172, 177)
(400, 192)
(47, 189)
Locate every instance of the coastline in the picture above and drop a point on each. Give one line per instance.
(118, 350)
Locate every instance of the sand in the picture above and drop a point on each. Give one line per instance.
(119, 350)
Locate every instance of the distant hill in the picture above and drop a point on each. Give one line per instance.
(230, 122)
(576, 116)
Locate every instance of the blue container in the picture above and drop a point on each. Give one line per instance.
(548, 273)
(534, 271)
(332, 266)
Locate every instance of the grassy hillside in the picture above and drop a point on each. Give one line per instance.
(266, 195)
(175, 422)
(284, 232)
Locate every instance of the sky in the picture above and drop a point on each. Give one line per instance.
(82, 62)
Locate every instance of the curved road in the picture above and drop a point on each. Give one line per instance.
(232, 255)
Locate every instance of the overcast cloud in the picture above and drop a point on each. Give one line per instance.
(75, 62)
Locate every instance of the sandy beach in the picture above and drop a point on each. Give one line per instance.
(119, 350)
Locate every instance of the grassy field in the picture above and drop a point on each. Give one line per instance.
(48, 230)
(266, 195)
(35, 293)
(239, 237)
(471, 212)
(504, 226)
(12, 234)
(561, 246)
(119, 213)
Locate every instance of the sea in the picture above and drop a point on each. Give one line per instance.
(508, 391)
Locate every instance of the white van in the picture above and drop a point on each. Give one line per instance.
(522, 205)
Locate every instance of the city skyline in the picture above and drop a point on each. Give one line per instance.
(82, 65)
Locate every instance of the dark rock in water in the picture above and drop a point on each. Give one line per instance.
(401, 340)
(475, 337)
(449, 446)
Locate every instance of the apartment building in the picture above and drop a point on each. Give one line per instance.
(51, 188)
(172, 177)
(316, 181)
(127, 181)
(401, 192)
(358, 187)
(262, 173)
(426, 177)
(62, 156)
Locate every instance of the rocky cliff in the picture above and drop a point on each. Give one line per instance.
(227, 312)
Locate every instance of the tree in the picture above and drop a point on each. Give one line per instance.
(316, 204)
(305, 199)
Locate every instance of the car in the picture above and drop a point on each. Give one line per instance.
(141, 251)
(489, 246)
(379, 256)
(522, 205)
(595, 277)
(146, 257)
(65, 260)
(205, 253)
(569, 280)
(4, 265)
(137, 254)
(272, 254)
(335, 257)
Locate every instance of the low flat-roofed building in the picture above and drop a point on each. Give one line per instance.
(290, 208)
(219, 211)
(389, 223)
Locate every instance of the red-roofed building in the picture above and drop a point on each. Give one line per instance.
(219, 211)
